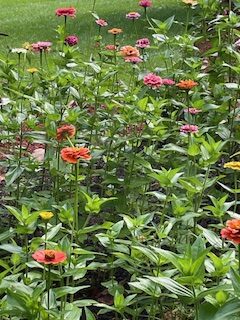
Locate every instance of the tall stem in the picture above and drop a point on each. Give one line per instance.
(76, 196)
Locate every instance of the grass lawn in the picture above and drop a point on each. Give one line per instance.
(35, 20)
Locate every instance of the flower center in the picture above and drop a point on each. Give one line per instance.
(49, 255)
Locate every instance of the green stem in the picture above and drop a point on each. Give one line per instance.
(48, 286)
(235, 194)
(45, 230)
(76, 197)
(239, 259)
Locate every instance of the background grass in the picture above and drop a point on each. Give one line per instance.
(35, 20)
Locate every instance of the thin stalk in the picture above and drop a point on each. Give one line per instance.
(239, 259)
(235, 195)
(76, 197)
(48, 287)
(45, 231)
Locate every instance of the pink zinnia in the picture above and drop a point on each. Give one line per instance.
(71, 40)
(143, 43)
(41, 46)
(152, 80)
(168, 82)
(101, 22)
(133, 15)
(192, 110)
(145, 3)
(66, 12)
(133, 60)
(111, 47)
(189, 128)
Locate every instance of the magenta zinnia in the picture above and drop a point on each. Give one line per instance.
(152, 80)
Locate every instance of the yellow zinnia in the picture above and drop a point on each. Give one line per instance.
(235, 165)
(191, 2)
(32, 70)
(46, 215)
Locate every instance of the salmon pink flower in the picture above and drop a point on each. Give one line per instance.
(145, 3)
(101, 22)
(129, 51)
(153, 81)
(66, 12)
(74, 154)
(49, 256)
(133, 15)
(189, 128)
(133, 60)
(115, 31)
(168, 82)
(41, 46)
(71, 40)
(67, 130)
(111, 47)
(192, 110)
(143, 43)
(232, 231)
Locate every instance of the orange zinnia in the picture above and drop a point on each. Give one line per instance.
(73, 154)
(49, 256)
(232, 231)
(67, 130)
(186, 84)
(129, 51)
(115, 31)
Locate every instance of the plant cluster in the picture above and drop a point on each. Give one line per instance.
(119, 181)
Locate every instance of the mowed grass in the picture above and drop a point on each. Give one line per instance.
(35, 20)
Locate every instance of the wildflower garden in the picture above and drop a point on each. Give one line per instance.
(119, 165)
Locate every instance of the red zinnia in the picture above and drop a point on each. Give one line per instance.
(67, 130)
(145, 3)
(49, 256)
(66, 12)
(73, 154)
(232, 231)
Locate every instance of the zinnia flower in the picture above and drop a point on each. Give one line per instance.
(71, 40)
(133, 60)
(46, 215)
(49, 256)
(189, 128)
(190, 2)
(232, 231)
(19, 50)
(67, 130)
(115, 31)
(66, 12)
(143, 43)
(133, 15)
(73, 154)
(111, 47)
(129, 51)
(41, 46)
(237, 44)
(152, 80)
(235, 165)
(168, 82)
(186, 84)
(32, 70)
(145, 3)
(192, 110)
(101, 22)
(27, 46)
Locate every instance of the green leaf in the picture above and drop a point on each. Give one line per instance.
(172, 286)
(11, 248)
(12, 175)
(89, 314)
(63, 291)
